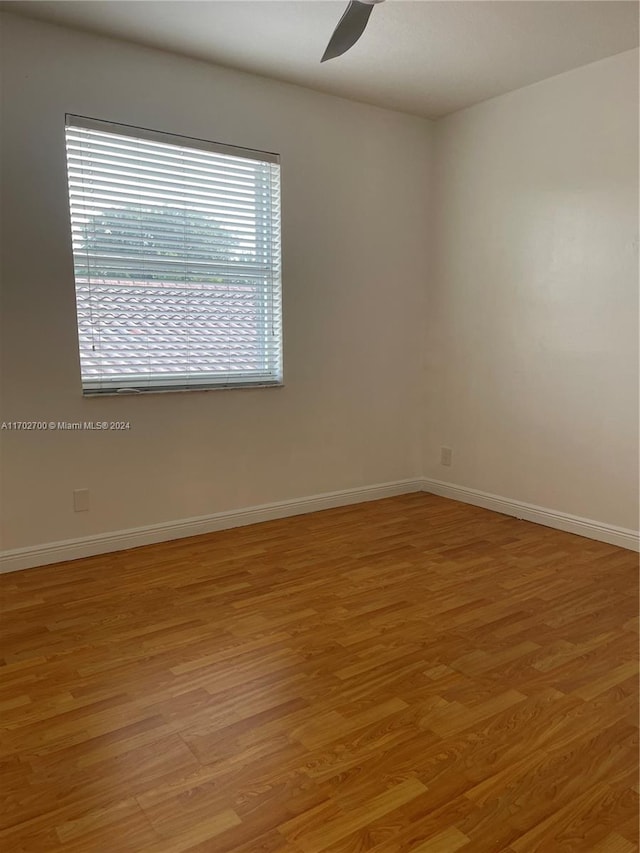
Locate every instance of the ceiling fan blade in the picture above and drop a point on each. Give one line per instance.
(350, 27)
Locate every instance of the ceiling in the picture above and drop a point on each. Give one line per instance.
(426, 57)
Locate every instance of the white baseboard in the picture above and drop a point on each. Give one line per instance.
(104, 543)
(621, 536)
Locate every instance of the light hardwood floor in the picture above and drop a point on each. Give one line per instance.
(406, 676)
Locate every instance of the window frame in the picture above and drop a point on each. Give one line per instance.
(173, 382)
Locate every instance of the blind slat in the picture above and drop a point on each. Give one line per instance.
(177, 261)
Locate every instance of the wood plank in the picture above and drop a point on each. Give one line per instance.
(444, 842)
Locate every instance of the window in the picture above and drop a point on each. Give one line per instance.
(176, 249)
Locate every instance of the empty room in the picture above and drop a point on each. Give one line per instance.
(319, 426)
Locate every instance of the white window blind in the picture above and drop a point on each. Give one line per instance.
(176, 247)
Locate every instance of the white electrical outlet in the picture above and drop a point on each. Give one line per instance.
(81, 500)
(446, 454)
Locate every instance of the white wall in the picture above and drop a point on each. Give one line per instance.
(355, 197)
(532, 371)
(516, 344)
